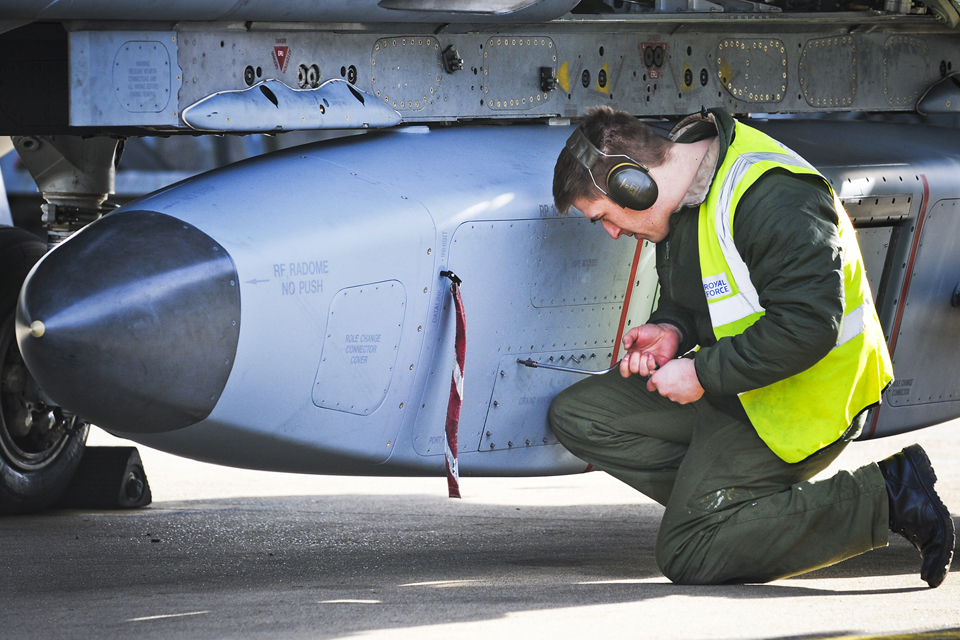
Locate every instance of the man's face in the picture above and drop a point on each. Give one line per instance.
(651, 224)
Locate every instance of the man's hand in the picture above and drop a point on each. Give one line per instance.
(648, 347)
(677, 380)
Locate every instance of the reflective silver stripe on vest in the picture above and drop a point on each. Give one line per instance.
(746, 302)
(853, 324)
(731, 309)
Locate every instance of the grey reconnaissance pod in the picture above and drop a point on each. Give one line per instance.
(628, 184)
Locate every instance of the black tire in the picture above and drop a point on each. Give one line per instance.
(39, 454)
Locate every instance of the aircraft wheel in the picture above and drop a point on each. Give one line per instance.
(40, 444)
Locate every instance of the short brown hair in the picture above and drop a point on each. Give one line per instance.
(613, 132)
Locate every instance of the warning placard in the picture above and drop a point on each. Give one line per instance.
(281, 55)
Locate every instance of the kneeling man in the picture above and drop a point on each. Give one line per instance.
(759, 267)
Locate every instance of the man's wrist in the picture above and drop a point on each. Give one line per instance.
(702, 370)
(674, 329)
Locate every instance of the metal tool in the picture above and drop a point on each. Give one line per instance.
(529, 362)
(540, 365)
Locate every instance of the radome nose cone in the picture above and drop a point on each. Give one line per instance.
(133, 323)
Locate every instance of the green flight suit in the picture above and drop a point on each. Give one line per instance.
(736, 512)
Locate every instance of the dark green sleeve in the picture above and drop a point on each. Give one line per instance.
(785, 228)
(670, 311)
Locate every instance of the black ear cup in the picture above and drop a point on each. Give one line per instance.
(631, 187)
(628, 184)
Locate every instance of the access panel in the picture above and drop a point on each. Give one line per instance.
(360, 347)
(517, 416)
(924, 361)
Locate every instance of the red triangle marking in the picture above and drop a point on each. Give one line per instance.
(280, 53)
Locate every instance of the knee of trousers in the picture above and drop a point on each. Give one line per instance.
(682, 559)
(568, 428)
(666, 554)
(677, 569)
(702, 555)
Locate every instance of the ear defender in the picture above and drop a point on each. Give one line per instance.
(629, 184)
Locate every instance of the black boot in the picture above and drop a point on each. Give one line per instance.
(916, 511)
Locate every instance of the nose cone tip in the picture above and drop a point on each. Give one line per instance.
(37, 329)
(133, 323)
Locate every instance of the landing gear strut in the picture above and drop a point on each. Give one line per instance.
(75, 176)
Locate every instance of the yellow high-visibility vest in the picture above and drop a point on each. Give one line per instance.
(812, 409)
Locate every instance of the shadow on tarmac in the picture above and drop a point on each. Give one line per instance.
(329, 566)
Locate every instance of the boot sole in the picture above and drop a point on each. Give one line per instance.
(921, 462)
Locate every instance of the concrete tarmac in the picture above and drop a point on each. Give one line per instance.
(225, 553)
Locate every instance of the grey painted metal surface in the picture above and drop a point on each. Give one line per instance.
(139, 70)
(519, 391)
(942, 97)
(930, 322)
(874, 246)
(360, 347)
(125, 78)
(432, 11)
(395, 208)
(649, 64)
(641, 66)
(273, 106)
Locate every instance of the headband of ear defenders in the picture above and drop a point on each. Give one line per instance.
(629, 184)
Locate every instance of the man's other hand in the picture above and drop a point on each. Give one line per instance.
(677, 380)
(648, 347)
